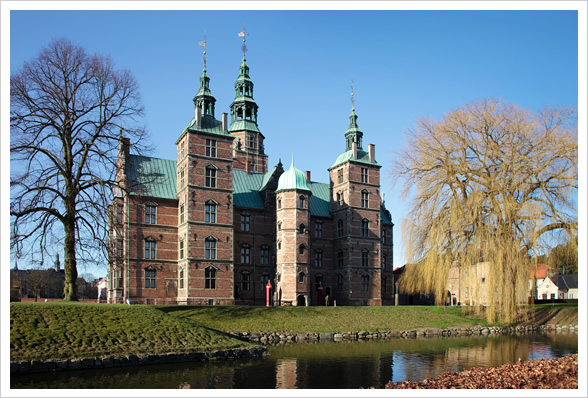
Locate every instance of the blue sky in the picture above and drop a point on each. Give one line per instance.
(404, 65)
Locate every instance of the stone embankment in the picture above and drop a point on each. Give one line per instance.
(20, 367)
(269, 339)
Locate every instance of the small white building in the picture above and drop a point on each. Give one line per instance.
(558, 287)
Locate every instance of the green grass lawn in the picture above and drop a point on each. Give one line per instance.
(59, 330)
(321, 319)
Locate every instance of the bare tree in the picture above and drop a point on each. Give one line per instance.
(488, 181)
(67, 111)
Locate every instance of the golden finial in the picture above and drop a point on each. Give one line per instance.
(203, 44)
(244, 48)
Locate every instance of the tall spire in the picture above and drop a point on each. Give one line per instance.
(353, 133)
(204, 99)
(243, 106)
(244, 47)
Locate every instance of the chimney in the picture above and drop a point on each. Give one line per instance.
(372, 153)
(224, 123)
(198, 116)
(354, 149)
(123, 147)
(307, 175)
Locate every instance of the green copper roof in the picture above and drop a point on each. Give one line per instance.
(347, 156)
(239, 125)
(246, 188)
(151, 176)
(292, 179)
(385, 215)
(208, 125)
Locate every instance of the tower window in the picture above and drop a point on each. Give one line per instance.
(301, 228)
(302, 201)
(182, 174)
(364, 175)
(264, 255)
(246, 281)
(365, 228)
(210, 278)
(251, 140)
(365, 283)
(340, 259)
(181, 279)
(383, 236)
(339, 228)
(119, 213)
(181, 248)
(364, 199)
(340, 176)
(210, 212)
(210, 148)
(301, 277)
(301, 249)
(365, 257)
(210, 180)
(339, 282)
(210, 249)
(384, 261)
(181, 213)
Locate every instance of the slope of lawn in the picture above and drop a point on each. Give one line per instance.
(61, 330)
(322, 319)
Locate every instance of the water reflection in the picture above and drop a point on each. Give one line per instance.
(323, 365)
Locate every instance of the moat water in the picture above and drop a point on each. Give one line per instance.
(347, 365)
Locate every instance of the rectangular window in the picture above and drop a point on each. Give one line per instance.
(181, 213)
(365, 258)
(383, 236)
(302, 202)
(318, 259)
(365, 283)
(181, 248)
(245, 255)
(364, 199)
(210, 278)
(181, 279)
(210, 249)
(210, 213)
(245, 222)
(149, 249)
(340, 259)
(119, 248)
(339, 228)
(246, 281)
(364, 228)
(150, 277)
(251, 142)
(339, 282)
(119, 213)
(210, 178)
(318, 229)
(211, 148)
(340, 176)
(384, 261)
(182, 175)
(364, 175)
(264, 256)
(150, 213)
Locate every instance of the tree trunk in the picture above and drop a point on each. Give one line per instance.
(69, 265)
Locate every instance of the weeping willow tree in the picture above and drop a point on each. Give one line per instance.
(487, 183)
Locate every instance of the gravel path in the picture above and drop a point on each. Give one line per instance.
(541, 373)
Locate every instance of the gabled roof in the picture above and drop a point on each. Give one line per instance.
(153, 177)
(246, 187)
(568, 281)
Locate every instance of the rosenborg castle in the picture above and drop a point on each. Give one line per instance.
(218, 226)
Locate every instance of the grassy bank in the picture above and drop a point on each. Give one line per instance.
(59, 330)
(322, 319)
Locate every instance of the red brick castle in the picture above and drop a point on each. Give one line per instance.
(216, 225)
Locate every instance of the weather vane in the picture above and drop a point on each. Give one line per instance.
(244, 48)
(352, 97)
(203, 44)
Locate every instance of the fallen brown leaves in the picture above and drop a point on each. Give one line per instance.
(542, 373)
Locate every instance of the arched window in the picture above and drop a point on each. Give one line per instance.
(301, 228)
(301, 277)
(301, 249)
(302, 201)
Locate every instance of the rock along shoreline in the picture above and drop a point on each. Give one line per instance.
(271, 339)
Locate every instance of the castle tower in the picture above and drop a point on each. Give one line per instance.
(355, 206)
(248, 150)
(292, 237)
(205, 195)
